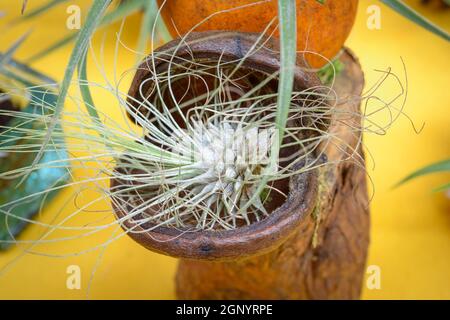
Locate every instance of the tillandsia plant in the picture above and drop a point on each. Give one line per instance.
(227, 146)
(221, 149)
(22, 91)
(213, 141)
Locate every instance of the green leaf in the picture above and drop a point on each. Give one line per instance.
(150, 12)
(412, 15)
(288, 54)
(330, 71)
(149, 19)
(444, 187)
(94, 15)
(86, 92)
(7, 56)
(432, 168)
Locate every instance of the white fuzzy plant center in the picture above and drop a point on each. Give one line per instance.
(207, 160)
(228, 161)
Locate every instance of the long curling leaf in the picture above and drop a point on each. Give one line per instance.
(151, 9)
(412, 15)
(86, 92)
(442, 188)
(94, 15)
(151, 17)
(288, 53)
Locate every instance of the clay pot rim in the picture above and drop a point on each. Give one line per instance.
(258, 237)
(229, 46)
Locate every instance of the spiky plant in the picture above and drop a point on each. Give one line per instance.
(180, 167)
(190, 174)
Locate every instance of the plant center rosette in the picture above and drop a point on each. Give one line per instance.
(206, 105)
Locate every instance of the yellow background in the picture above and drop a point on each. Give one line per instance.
(410, 236)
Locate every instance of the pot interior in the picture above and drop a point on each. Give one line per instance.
(211, 88)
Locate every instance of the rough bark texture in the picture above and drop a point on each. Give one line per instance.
(325, 258)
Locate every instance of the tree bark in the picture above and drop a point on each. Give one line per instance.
(325, 257)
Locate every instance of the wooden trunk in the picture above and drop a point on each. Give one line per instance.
(325, 257)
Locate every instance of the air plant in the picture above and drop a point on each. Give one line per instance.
(211, 146)
(201, 145)
(199, 168)
(204, 149)
(96, 18)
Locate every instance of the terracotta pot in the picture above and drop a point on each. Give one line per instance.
(312, 246)
(321, 28)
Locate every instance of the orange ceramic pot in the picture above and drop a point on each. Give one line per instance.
(321, 28)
